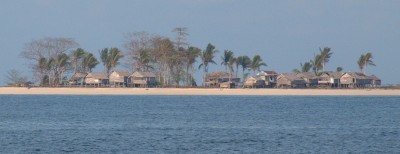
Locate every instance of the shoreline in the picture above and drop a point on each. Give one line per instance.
(197, 91)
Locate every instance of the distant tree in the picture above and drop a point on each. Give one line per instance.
(50, 49)
(14, 77)
(114, 57)
(339, 69)
(76, 59)
(207, 57)
(317, 63)
(61, 62)
(245, 62)
(138, 47)
(231, 61)
(89, 62)
(256, 63)
(105, 59)
(306, 67)
(228, 55)
(365, 60)
(325, 56)
(192, 54)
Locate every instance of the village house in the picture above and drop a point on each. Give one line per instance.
(269, 78)
(290, 80)
(97, 79)
(119, 78)
(375, 81)
(310, 78)
(221, 79)
(142, 79)
(77, 79)
(330, 79)
(254, 82)
(357, 80)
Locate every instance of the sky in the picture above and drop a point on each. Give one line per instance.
(285, 32)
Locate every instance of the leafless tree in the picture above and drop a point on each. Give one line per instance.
(48, 49)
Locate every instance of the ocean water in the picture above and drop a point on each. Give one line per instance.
(199, 124)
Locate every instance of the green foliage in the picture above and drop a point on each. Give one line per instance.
(364, 61)
(256, 63)
(339, 69)
(89, 62)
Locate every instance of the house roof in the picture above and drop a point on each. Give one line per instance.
(78, 75)
(122, 73)
(253, 78)
(142, 74)
(335, 75)
(309, 75)
(357, 75)
(373, 77)
(219, 74)
(267, 73)
(97, 75)
(290, 76)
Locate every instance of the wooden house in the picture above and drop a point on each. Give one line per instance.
(119, 78)
(142, 79)
(97, 79)
(330, 79)
(310, 78)
(375, 81)
(355, 80)
(216, 79)
(290, 80)
(269, 77)
(77, 79)
(254, 82)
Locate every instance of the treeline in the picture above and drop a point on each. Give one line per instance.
(173, 61)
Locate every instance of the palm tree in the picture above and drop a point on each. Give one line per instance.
(365, 60)
(339, 69)
(325, 56)
(105, 60)
(226, 57)
(89, 62)
(306, 67)
(192, 54)
(256, 63)
(317, 63)
(46, 66)
(62, 61)
(77, 55)
(143, 60)
(245, 62)
(114, 56)
(207, 56)
(231, 61)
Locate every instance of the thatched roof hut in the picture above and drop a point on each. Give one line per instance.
(355, 79)
(254, 82)
(309, 77)
(142, 79)
(216, 78)
(78, 78)
(290, 80)
(269, 77)
(119, 78)
(99, 79)
(330, 79)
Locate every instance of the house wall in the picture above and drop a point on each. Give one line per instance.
(115, 78)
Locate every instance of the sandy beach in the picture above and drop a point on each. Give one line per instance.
(197, 91)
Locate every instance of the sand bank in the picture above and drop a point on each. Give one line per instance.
(197, 91)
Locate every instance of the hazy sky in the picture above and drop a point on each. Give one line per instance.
(284, 33)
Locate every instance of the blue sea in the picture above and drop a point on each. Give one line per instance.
(199, 124)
